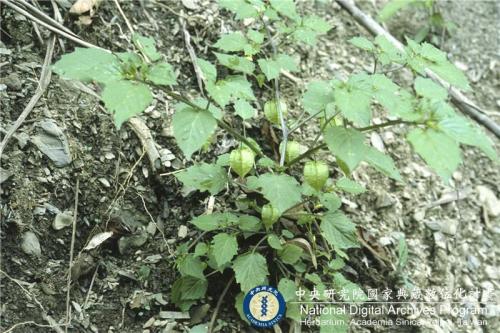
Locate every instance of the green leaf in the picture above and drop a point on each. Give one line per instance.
(125, 99)
(204, 177)
(208, 69)
(350, 186)
(391, 8)
(255, 36)
(272, 67)
(232, 42)
(290, 253)
(353, 99)
(382, 163)
(189, 288)
(147, 45)
(192, 128)
(200, 249)
(162, 74)
(89, 65)
(231, 88)
(353, 292)
(282, 191)
(285, 7)
(463, 131)
(274, 242)
(249, 223)
(362, 43)
(287, 288)
(316, 24)
(250, 270)
(439, 151)
(192, 266)
(242, 8)
(429, 89)
(402, 253)
(244, 109)
(338, 230)
(317, 96)
(335, 319)
(387, 52)
(214, 221)
(347, 144)
(330, 201)
(237, 63)
(224, 247)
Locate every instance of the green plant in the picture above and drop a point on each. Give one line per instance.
(285, 226)
(436, 23)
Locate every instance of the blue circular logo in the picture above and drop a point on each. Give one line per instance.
(264, 306)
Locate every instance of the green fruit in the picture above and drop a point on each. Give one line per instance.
(292, 150)
(271, 112)
(269, 215)
(316, 174)
(241, 161)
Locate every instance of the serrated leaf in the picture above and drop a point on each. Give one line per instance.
(353, 98)
(204, 177)
(232, 42)
(191, 266)
(439, 151)
(231, 88)
(255, 36)
(402, 253)
(249, 223)
(362, 43)
(316, 23)
(290, 253)
(330, 201)
(450, 73)
(242, 8)
(146, 45)
(214, 221)
(250, 270)
(162, 74)
(200, 249)
(224, 247)
(282, 191)
(272, 67)
(353, 292)
(388, 53)
(317, 96)
(125, 99)
(287, 288)
(463, 131)
(208, 69)
(347, 144)
(192, 128)
(285, 7)
(347, 185)
(237, 63)
(429, 89)
(189, 288)
(339, 231)
(244, 109)
(382, 163)
(89, 65)
(306, 35)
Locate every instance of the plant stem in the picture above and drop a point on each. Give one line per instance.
(259, 242)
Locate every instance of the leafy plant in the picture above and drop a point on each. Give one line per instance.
(285, 227)
(436, 23)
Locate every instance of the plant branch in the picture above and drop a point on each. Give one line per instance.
(461, 101)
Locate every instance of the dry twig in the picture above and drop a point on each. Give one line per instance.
(71, 253)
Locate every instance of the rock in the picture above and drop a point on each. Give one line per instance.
(53, 143)
(489, 200)
(473, 262)
(449, 227)
(183, 231)
(4, 175)
(419, 215)
(62, 220)
(126, 244)
(433, 225)
(440, 240)
(384, 200)
(190, 4)
(492, 272)
(30, 244)
(174, 315)
(377, 141)
(105, 182)
(13, 82)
